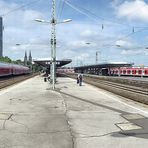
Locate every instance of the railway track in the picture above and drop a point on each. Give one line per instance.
(132, 92)
(141, 83)
(7, 81)
(120, 86)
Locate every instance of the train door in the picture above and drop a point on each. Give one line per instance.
(105, 71)
(146, 72)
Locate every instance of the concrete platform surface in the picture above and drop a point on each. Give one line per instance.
(34, 116)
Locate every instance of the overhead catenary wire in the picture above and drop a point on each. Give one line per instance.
(121, 38)
(124, 37)
(86, 14)
(130, 34)
(61, 10)
(109, 20)
(80, 11)
(18, 8)
(89, 12)
(77, 7)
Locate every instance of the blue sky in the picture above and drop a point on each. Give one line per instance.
(102, 23)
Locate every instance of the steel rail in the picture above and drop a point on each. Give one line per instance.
(119, 86)
(13, 80)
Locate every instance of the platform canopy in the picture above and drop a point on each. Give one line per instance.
(46, 62)
(101, 68)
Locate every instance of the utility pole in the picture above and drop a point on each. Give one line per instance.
(53, 45)
(53, 23)
(97, 56)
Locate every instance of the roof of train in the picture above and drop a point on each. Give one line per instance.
(130, 68)
(3, 64)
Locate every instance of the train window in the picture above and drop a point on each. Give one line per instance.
(133, 71)
(129, 71)
(146, 72)
(124, 71)
(140, 72)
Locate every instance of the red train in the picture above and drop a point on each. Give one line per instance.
(7, 69)
(65, 70)
(129, 71)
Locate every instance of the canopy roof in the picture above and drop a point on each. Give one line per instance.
(46, 62)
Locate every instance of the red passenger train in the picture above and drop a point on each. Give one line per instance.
(129, 71)
(7, 69)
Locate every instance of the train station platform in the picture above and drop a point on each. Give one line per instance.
(32, 115)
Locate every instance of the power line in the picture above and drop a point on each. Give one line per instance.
(126, 36)
(86, 14)
(80, 11)
(61, 7)
(98, 17)
(18, 8)
(88, 11)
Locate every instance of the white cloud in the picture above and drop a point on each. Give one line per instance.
(146, 52)
(133, 10)
(132, 52)
(114, 3)
(124, 43)
(83, 56)
(89, 33)
(81, 44)
(5, 7)
(20, 27)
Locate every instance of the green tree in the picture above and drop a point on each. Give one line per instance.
(5, 59)
(18, 62)
(36, 67)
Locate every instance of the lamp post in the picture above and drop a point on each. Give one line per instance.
(53, 23)
(53, 45)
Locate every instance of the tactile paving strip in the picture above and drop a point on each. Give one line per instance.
(133, 116)
(128, 126)
(4, 116)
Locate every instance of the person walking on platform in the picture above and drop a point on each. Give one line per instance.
(80, 80)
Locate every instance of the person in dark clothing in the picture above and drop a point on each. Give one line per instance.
(80, 80)
(77, 79)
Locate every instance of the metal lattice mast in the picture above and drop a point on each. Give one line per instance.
(96, 57)
(53, 45)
